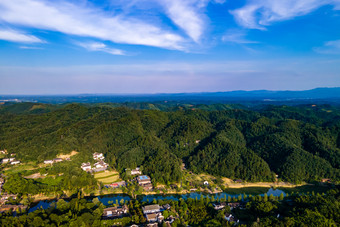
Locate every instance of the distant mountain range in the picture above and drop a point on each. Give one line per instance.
(325, 95)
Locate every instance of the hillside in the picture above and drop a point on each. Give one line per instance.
(300, 143)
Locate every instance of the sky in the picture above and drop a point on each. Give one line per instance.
(167, 46)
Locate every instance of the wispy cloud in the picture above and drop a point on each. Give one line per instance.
(17, 36)
(187, 15)
(257, 14)
(330, 47)
(87, 21)
(237, 36)
(95, 46)
(30, 48)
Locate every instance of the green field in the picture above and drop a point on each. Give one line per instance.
(107, 177)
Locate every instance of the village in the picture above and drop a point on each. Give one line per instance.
(152, 213)
(112, 182)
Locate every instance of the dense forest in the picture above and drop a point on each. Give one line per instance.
(299, 143)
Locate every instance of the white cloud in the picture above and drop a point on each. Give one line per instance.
(16, 36)
(257, 14)
(95, 46)
(236, 36)
(30, 48)
(330, 47)
(187, 15)
(88, 21)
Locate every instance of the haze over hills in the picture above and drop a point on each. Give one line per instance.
(326, 95)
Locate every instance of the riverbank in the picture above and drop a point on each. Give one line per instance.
(243, 188)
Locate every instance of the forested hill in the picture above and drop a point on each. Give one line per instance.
(297, 143)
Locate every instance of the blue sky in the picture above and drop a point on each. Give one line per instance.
(167, 46)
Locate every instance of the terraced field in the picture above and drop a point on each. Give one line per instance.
(107, 177)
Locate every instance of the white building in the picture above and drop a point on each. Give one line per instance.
(6, 160)
(86, 166)
(136, 171)
(48, 162)
(98, 156)
(15, 162)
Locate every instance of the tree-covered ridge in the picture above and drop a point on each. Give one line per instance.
(297, 143)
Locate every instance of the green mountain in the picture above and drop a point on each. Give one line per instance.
(299, 143)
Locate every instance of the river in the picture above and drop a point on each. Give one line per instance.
(144, 198)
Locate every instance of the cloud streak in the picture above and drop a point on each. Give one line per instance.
(330, 47)
(95, 46)
(87, 21)
(17, 36)
(257, 14)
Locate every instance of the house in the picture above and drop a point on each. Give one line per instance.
(234, 205)
(3, 152)
(206, 183)
(48, 162)
(170, 219)
(15, 162)
(152, 225)
(117, 184)
(238, 181)
(151, 209)
(154, 217)
(142, 180)
(147, 187)
(98, 156)
(326, 180)
(113, 212)
(197, 141)
(136, 171)
(8, 196)
(6, 160)
(86, 166)
(230, 218)
(100, 166)
(57, 160)
(219, 206)
(166, 207)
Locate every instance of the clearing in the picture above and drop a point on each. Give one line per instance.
(107, 177)
(64, 156)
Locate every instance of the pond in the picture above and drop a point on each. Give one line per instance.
(144, 198)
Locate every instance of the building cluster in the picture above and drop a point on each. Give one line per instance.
(12, 161)
(136, 171)
(229, 217)
(53, 161)
(153, 213)
(115, 212)
(145, 182)
(220, 206)
(96, 167)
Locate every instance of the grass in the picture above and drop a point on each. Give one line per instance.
(110, 179)
(247, 190)
(306, 188)
(20, 168)
(107, 177)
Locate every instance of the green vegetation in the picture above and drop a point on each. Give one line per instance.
(294, 210)
(297, 143)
